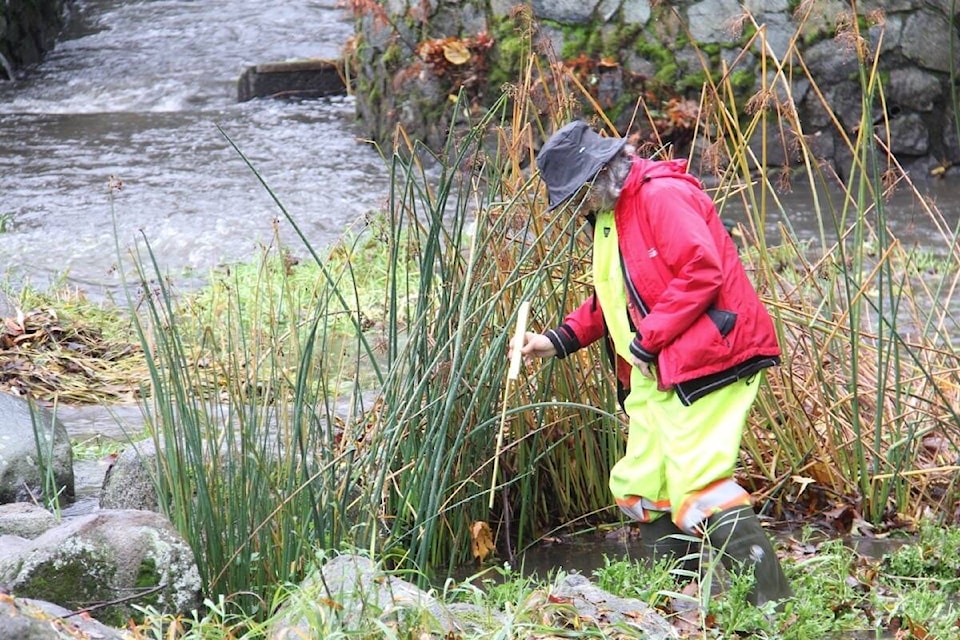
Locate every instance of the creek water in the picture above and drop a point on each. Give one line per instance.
(140, 91)
(145, 93)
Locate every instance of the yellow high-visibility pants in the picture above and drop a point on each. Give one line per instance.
(680, 459)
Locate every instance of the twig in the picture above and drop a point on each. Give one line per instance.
(109, 603)
(512, 374)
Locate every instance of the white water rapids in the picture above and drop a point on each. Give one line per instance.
(137, 91)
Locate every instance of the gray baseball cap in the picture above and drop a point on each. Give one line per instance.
(571, 157)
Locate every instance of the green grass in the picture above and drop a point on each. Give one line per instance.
(838, 594)
(96, 447)
(359, 259)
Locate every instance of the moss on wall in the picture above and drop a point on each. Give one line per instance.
(652, 50)
(652, 60)
(509, 55)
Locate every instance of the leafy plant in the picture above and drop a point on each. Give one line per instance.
(650, 583)
(924, 560)
(96, 447)
(44, 437)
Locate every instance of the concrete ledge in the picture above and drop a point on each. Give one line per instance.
(311, 78)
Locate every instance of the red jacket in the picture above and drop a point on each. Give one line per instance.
(695, 310)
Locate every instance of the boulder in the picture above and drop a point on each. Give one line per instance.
(358, 589)
(111, 559)
(33, 443)
(25, 520)
(26, 619)
(128, 483)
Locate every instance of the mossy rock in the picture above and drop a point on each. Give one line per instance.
(121, 557)
(75, 579)
(85, 579)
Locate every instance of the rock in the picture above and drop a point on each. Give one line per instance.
(313, 78)
(927, 41)
(10, 546)
(8, 306)
(919, 89)
(106, 557)
(636, 11)
(908, 135)
(21, 477)
(128, 483)
(569, 11)
(594, 603)
(358, 589)
(25, 520)
(26, 619)
(704, 23)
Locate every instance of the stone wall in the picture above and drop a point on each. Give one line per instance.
(411, 56)
(28, 29)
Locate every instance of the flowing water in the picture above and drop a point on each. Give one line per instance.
(139, 92)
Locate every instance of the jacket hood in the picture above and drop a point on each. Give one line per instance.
(644, 170)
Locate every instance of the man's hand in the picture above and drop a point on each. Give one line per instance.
(646, 368)
(535, 345)
(643, 359)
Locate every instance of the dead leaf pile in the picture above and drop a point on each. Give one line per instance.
(51, 358)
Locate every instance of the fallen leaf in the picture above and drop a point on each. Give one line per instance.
(333, 604)
(483, 544)
(13, 327)
(804, 482)
(456, 52)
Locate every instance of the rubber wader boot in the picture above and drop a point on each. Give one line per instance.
(744, 546)
(662, 539)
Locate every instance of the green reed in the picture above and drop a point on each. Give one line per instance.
(49, 484)
(243, 407)
(443, 394)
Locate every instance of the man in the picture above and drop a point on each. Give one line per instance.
(690, 339)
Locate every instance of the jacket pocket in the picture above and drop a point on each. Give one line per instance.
(723, 320)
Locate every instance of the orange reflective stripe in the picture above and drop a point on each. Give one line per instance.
(716, 497)
(638, 507)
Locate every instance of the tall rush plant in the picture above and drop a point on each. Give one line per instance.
(482, 247)
(247, 390)
(859, 412)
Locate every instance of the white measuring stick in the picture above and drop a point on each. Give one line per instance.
(516, 359)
